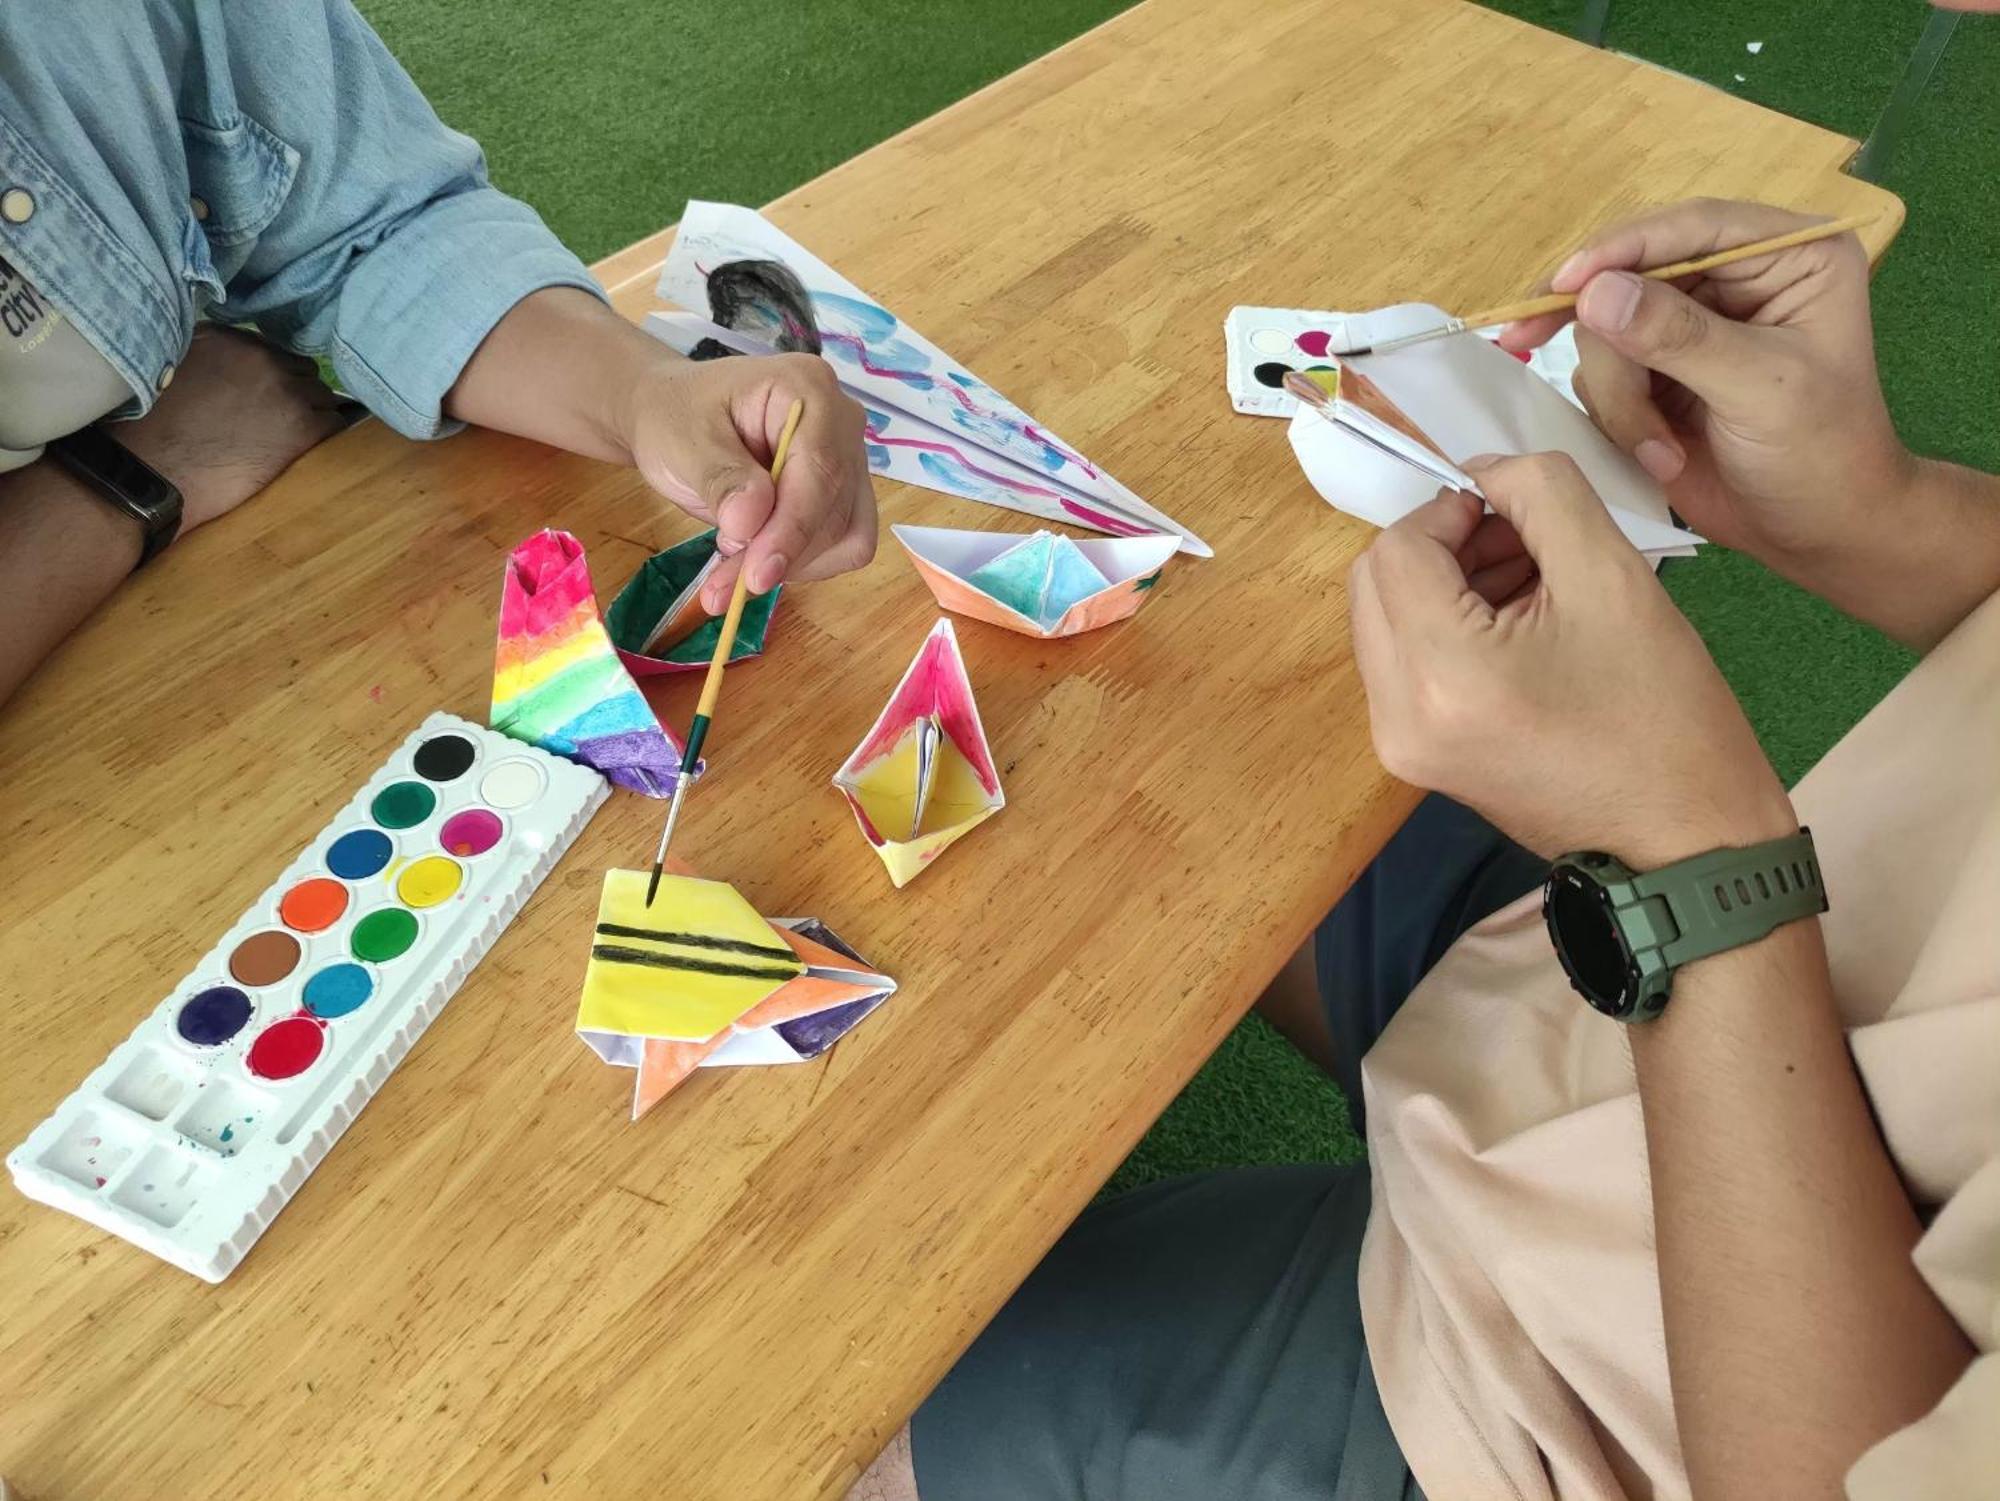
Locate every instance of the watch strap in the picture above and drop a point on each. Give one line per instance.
(1729, 897)
(126, 481)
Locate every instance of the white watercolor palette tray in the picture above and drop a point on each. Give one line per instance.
(200, 1127)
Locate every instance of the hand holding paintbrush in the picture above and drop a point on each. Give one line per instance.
(711, 685)
(1750, 394)
(1557, 302)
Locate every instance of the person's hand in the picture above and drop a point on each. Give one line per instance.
(238, 413)
(1581, 710)
(703, 434)
(1748, 391)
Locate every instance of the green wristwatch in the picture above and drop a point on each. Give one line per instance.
(1621, 934)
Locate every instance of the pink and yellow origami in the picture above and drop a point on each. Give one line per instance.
(1043, 584)
(923, 778)
(699, 980)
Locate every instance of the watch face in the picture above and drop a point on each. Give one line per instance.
(1588, 942)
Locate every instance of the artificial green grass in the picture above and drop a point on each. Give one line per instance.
(608, 115)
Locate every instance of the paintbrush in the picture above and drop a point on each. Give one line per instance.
(711, 686)
(1559, 302)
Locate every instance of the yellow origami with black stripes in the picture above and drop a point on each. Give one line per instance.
(683, 968)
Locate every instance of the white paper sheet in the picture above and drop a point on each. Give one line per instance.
(1471, 398)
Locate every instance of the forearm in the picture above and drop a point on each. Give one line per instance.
(1914, 566)
(559, 368)
(62, 552)
(1798, 1331)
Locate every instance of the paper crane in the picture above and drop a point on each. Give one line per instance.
(700, 980)
(930, 421)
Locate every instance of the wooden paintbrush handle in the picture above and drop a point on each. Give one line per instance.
(1557, 302)
(711, 685)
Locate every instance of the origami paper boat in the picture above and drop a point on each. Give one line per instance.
(558, 684)
(700, 980)
(1042, 584)
(923, 778)
(931, 422)
(657, 622)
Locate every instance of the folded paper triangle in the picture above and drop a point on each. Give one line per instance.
(923, 777)
(700, 980)
(657, 622)
(930, 421)
(557, 682)
(1040, 585)
(1355, 397)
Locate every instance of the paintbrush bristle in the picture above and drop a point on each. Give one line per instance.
(653, 886)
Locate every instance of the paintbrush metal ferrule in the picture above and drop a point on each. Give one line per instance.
(1423, 336)
(1443, 331)
(1316, 400)
(667, 833)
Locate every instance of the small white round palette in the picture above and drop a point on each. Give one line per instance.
(1262, 345)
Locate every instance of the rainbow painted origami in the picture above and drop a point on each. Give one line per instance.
(930, 421)
(657, 621)
(700, 980)
(1042, 584)
(558, 684)
(923, 778)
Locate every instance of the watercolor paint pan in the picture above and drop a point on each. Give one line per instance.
(199, 1128)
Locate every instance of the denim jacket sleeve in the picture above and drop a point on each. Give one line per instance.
(270, 165)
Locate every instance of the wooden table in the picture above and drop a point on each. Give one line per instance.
(494, 1285)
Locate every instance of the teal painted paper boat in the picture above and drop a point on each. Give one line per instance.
(657, 622)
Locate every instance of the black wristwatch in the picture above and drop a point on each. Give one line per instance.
(1621, 933)
(126, 481)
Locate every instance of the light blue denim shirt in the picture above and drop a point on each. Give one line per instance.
(163, 161)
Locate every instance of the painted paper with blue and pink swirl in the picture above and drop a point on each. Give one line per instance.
(865, 337)
(930, 421)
